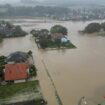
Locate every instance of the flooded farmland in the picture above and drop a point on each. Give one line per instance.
(75, 72)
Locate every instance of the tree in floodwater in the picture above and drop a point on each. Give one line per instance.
(35, 33)
(40, 33)
(92, 27)
(43, 42)
(59, 29)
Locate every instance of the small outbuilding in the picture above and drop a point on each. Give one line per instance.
(65, 39)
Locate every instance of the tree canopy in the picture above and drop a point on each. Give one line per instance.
(59, 29)
(92, 27)
(40, 33)
(2, 63)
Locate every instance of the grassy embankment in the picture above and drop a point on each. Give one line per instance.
(8, 91)
(10, 94)
(46, 43)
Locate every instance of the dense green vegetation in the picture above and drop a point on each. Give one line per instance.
(1, 39)
(2, 65)
(58, 29)
(18, 32)
(33, 71)
(44, 43)
(95, 28)
(9, 30)
(92, 27)
(29, 53)
(8, 91)
(53, 38)
(40, 33)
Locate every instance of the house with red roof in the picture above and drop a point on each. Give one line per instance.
(18, 71)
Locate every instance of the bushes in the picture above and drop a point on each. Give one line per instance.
(35, 33)
(2, 65)
(2, 59)
(40, 33)
(18, 32)
(30, 52)
(33, 71)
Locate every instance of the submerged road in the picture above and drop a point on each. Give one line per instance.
(52, 82)
(49, 89)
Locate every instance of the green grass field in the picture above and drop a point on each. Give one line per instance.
(8, 91)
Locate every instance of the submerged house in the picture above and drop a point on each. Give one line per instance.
(6, 29)
(19, 57)
(61, 37)
(56, 36)
(5, 32)
(65, 39)
(14, 72)
(9, 30)
(59, 32)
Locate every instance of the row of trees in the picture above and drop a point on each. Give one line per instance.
(61, 13)
(94, 27)
(40, 33)
(45, 32)
(59, 29)
(38, 11)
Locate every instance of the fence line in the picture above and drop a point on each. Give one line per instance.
(56, 93)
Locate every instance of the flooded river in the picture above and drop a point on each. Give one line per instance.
(75, 72)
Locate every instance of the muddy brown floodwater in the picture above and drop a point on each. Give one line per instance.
(75, 72)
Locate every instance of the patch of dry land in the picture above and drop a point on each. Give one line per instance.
(20, 92)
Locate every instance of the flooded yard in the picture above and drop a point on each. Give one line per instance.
(75, 72)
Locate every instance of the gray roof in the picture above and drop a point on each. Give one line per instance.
(18, 57)
(6, 31)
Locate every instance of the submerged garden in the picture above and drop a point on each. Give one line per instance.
(57, 37)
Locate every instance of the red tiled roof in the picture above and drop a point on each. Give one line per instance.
(16, 71)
